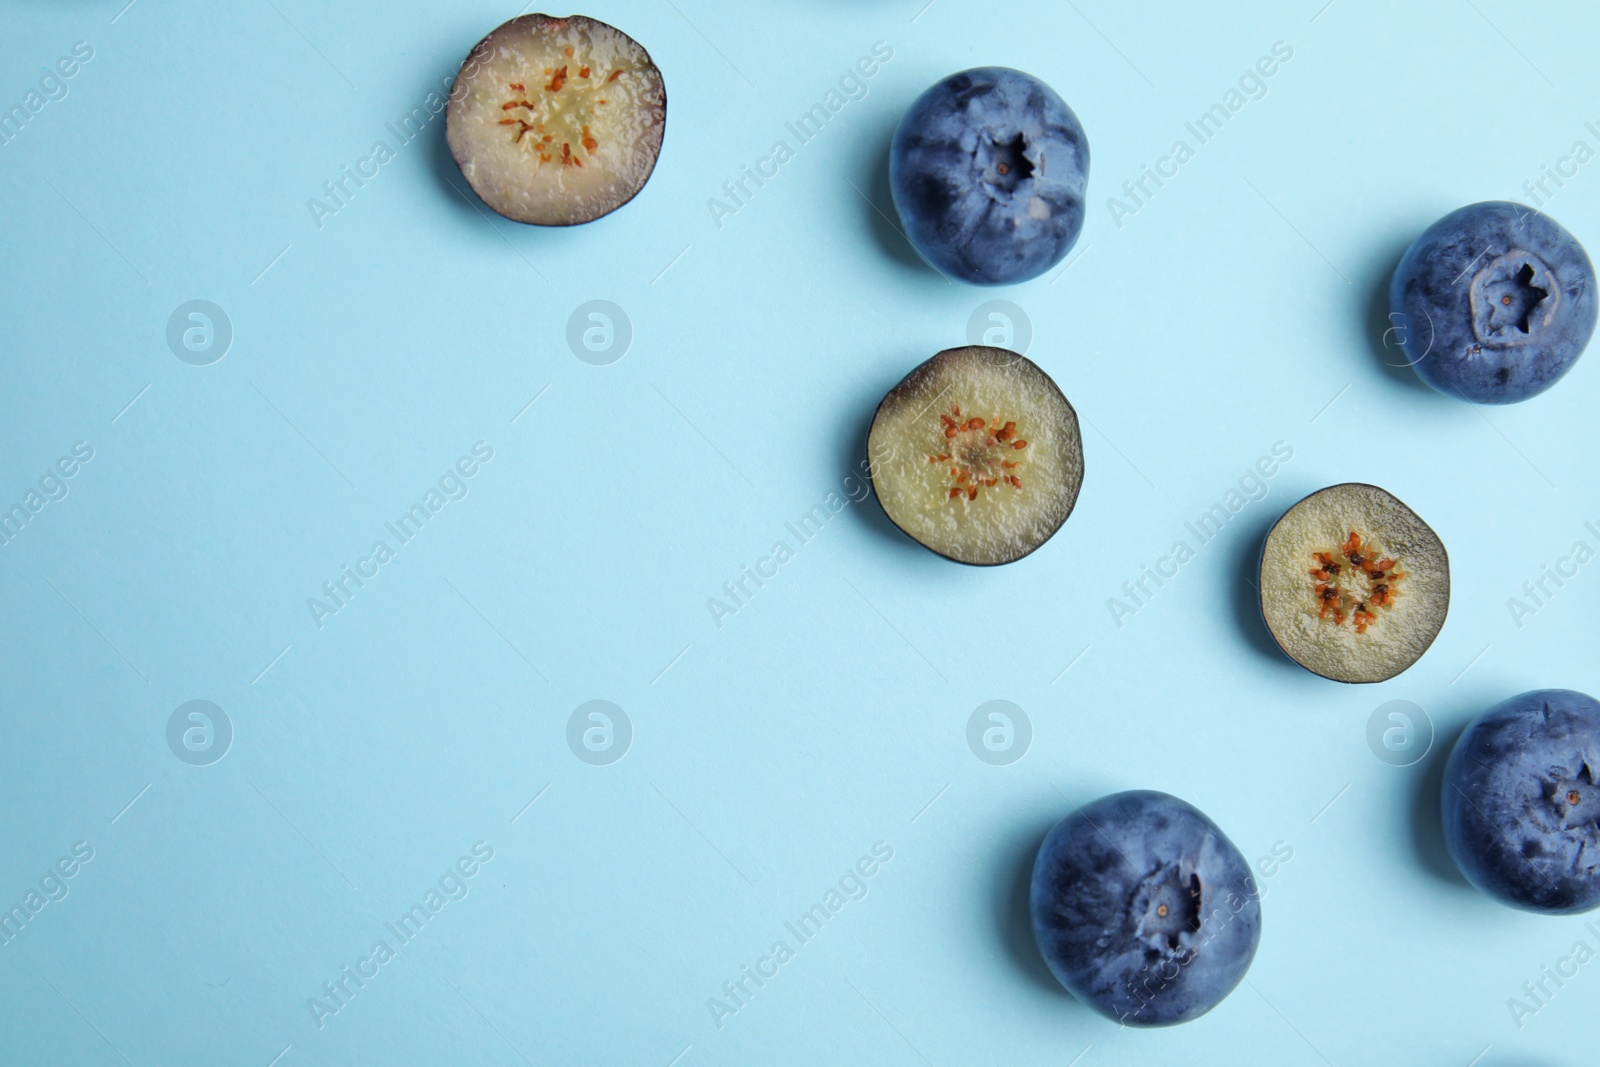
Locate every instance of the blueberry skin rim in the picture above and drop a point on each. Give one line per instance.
(1437, 258)
(478, 48)
(1071, 506)
(1261, 564)
(1052, 852)
(1483, 732)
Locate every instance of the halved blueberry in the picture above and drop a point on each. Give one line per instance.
(1522, 802)
(988, 171)
(1354, 586)
(1493, 303)
(1144, 909)
(557, 121)
(977, 455)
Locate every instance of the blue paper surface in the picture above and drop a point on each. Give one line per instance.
(582, 502)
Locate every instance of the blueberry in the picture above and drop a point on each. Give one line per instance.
(988, 170)
(1354, 585)
(1522, 802)
(557, 121)
(1144, 909)
(977, 455)
(1493, 303)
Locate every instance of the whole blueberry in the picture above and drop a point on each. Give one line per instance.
(1522, 802)
(1493, 303)
(988, 170)
(1144, 909)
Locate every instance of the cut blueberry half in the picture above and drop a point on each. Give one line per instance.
(977, 455)
(1354, 586)
(557, 121)
(1521, 802)
(1144, 909)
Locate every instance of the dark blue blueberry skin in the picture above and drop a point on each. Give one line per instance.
(1144, 909)
(1493, 303)
(1522, 802)
(988, 170)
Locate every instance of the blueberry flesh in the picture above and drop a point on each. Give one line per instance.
(1493, 303)
(1144, 909)
(988, 170)
(1522, 802)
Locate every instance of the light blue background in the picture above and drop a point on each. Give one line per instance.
(768, 754)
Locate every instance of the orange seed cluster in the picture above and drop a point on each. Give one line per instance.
(1336, 573)
(977, 453)
(544, 143)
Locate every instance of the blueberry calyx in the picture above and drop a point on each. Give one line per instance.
(1574, 798)
(1168, 907)
(1513, 299)
(1003, 162)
